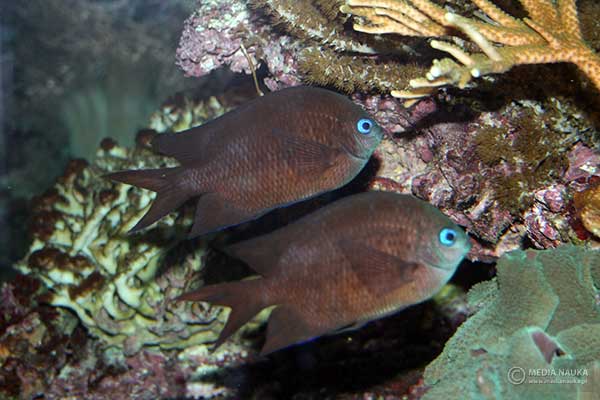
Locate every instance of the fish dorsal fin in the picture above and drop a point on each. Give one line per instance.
(187, 147)
(380, 272)
(308, 156)
(261, 254)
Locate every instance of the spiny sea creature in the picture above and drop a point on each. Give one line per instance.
(356, 260)
(275, 150)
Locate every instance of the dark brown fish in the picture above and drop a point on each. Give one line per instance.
(356, 260)
(278, 149)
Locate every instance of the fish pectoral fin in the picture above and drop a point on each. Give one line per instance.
(213, 213)
(286, 327)
(379, 271)
(307, 156)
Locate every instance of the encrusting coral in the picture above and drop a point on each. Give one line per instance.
(550, 34)
(539, 313)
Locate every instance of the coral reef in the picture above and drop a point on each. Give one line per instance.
(99, 281)
(315, 43)
(513, 159)
(503, 161)
(74, 72)
(112, 281)
(45, 352)
(506, 175)
(550, 34)
(539, 313)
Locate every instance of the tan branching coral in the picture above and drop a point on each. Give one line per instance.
(550, 34)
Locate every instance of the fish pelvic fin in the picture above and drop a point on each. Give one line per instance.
(288, 326)
(243, 297)
(170, 193)
(213, 213)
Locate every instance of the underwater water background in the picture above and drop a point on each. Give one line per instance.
(86, 85)
(74, 72)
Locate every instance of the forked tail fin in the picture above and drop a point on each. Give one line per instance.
(243, 297)
(170, 193)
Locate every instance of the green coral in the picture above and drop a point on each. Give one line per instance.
(540, 313)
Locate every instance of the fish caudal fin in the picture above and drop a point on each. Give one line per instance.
(169, 193)
(243, 297)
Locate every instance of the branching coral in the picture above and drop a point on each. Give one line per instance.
(540, 312)
(550, 34)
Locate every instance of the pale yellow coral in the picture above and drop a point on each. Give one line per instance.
(550, 34)
(90, 265)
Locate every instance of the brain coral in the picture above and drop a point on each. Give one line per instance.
(119, 285)
(541, 313)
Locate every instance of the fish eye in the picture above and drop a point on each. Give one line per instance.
(364, 126)
(448, 236)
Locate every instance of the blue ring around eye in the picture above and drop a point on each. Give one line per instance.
(364, 126)
(448, 236)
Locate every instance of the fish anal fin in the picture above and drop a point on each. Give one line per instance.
(213, 213)
(243, 297)
(379, 271)
(287, 327)
(307, 156)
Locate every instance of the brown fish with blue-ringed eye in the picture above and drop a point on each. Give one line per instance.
(353, 261)
(273, 151)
